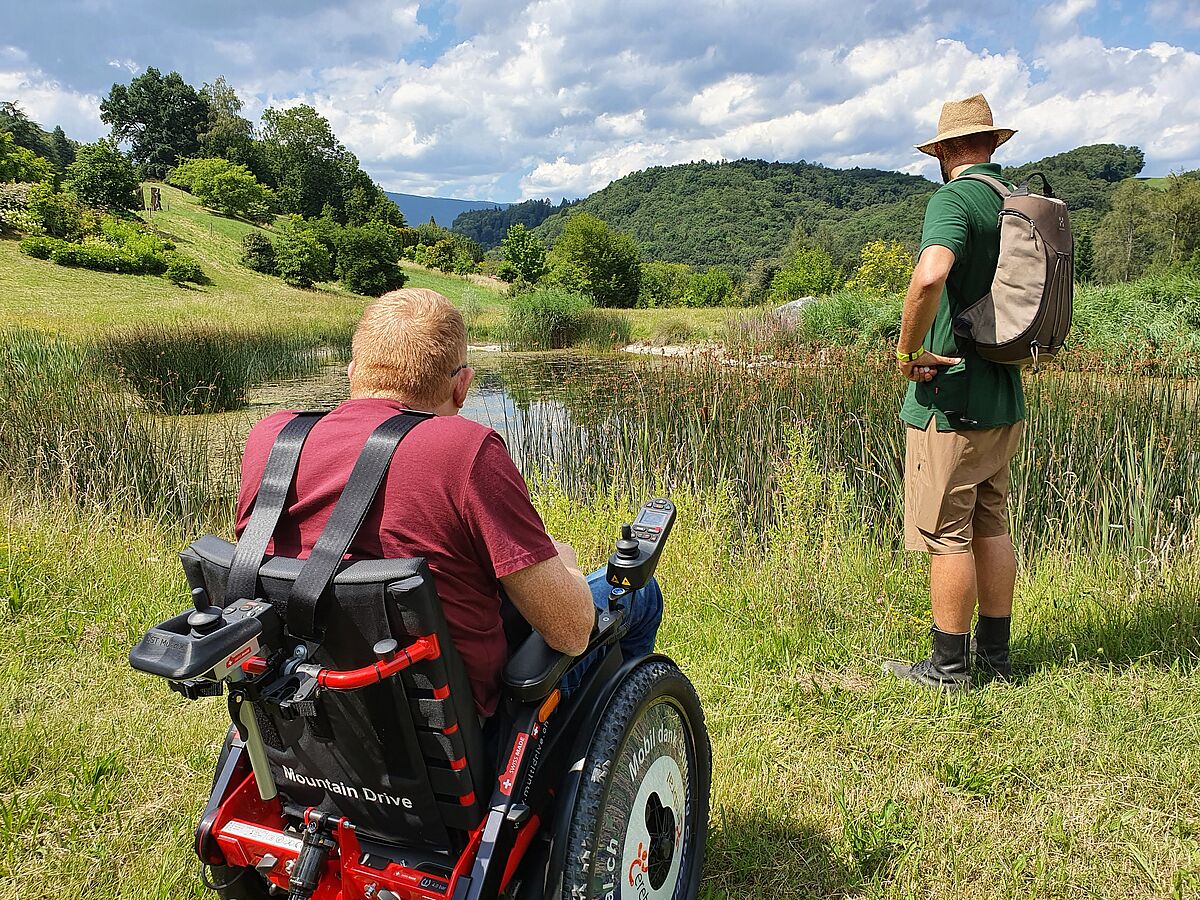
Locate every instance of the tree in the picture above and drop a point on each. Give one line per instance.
(525, 254)
(102, 176)
(884, 267)
(26, 132)
(711, 288)
(1180, 212)
(301, 259)
(598, 261)
(227, 134)
(19, 163)
(64, 147)
(301, 153)
(1126, 240)
(161, 117)
(809, 273)
(367, 260)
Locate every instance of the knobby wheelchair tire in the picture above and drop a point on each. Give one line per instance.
(640, 818)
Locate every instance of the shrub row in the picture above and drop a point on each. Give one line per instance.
(138, 257)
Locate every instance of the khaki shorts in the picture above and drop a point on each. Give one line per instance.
(956, 486)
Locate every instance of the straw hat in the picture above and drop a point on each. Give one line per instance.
(963, 117)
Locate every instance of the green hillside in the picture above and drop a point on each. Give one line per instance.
(36, 293)
(733, 213)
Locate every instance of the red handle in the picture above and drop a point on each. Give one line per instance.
(352, 679)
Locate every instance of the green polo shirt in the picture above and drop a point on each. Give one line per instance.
(976, 393)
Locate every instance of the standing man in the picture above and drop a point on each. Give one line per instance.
(964, 414)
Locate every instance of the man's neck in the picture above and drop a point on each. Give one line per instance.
(962, 167)
(446, 408)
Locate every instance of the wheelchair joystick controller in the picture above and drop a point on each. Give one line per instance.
(640, 545)
(627, 547)
(206, 618)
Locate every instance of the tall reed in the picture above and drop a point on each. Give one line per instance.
(189, 368)
(65, 434)
(1107, 460)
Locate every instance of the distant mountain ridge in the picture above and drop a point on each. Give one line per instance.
(443, 210)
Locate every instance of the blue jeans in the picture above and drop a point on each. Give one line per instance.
(643, 614)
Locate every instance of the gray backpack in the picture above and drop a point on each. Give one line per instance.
(1026, 315)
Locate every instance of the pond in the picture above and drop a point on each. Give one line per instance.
(1104, 460)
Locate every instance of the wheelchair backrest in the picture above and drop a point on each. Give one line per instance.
(402, 759)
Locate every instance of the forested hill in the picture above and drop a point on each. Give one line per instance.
(734, 213)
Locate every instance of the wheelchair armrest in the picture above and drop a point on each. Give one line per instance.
(535, 669)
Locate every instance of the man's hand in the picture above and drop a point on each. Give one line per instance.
(924, 367)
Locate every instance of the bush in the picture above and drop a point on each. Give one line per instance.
(809, 273)
(39, 247)
(366, 261)
(545, 319)
(301, 258)
(711, 288)
(181, 268)
(14, 209)
(258, 253)
(98, 257)
(60, 215)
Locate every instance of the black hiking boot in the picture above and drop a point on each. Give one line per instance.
(947, 668)
(991, 646)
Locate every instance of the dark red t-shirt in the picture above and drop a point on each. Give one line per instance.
(453, 496)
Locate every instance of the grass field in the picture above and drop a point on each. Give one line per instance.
(830, 781)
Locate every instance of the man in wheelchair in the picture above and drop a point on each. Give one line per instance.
(387, 742)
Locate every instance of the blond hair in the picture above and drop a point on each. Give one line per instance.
(406, 345)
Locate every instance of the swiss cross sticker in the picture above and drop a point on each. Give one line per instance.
(514, 764)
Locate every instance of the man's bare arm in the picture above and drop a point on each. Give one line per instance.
(555, 599)
(920, 309)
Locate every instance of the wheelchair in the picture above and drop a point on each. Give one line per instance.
(357, 767)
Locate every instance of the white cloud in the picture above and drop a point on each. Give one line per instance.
(500, 98)
(49, 103)
(127, 64)
(1061, 15)
(1180, 13)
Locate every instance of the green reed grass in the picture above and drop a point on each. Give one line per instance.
(1107, 460)
(66, 435)
(188, 368)
(554, 319)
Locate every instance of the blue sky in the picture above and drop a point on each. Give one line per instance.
(510, 99)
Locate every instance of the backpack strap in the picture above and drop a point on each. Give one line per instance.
(268, 506)
(994, 183)
(344, 522)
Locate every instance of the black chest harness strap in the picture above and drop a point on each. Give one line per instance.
(268, 506)
(347, 517)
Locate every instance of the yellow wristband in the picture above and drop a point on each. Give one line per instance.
(910, 357)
